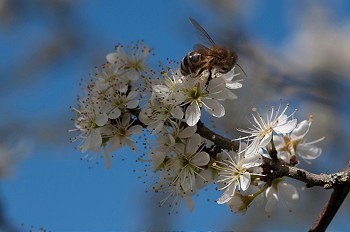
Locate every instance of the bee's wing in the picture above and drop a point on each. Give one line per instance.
(200, 48)
(203, 33)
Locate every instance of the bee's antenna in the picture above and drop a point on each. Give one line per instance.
(242, 69)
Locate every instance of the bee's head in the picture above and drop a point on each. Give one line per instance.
(227, 62)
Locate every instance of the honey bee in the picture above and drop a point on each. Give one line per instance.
(207, 58)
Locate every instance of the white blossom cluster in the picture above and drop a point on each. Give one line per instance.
(125, 97)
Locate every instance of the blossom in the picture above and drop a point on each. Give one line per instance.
(121, 132)
(277, 190)
(230, 83)
(157, 113)
(262, 131)
(234, 172)
(89, 120)
(131, 58)
(198, 95)
(121, 101)
(170, 185)
(187, 161)
(293, 143)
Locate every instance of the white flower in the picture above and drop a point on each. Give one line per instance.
(157, 113)
(231, 84)
(293, 143)
(121, 133)
(198, 94)
(171, 84)
(89, 120)
(277, 190)
(131, 58)
(169, 185)
(261, 133)
(119, 102)
(187, 161)
(234, 172)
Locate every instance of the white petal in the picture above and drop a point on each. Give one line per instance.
(115, 113)
(192, 114)
(188, 132)
(137, 129)
(193, 144)
(244, 181)
(130, 144)
(132, 104)
(125, 120)
(201, 159)
(93, 141)
(301, 129)
(132, 95)
(230, 95)
(214, 108)
(157, 158)
(265, 140)
(216, 85)
(177, 112)
(252, 160)
(187, 181)
(308, 151)
(114, 143)
(160, 90)
(101, 118)
(227, 195)
(288, 192)
(286, 127)
(278, 141)
(272, 199)
(112, 57)
(233, 85)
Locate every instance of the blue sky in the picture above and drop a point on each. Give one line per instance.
(53, 188)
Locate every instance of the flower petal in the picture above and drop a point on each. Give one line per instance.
(228, 194)
(115, 113)
(308, 151)
(101, 118)
(244, 181)
(177, 112)
(193, 144)
(288, 192)
(137, 129)
(200, 159)
(132, 104)
(272, 199)
(188, 132)
(192, 114)
(301, 130)
(286, 127)
(213, 107)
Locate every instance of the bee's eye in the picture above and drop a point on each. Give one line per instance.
(195, 58)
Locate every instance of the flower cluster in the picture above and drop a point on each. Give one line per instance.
(104, 118)
(126, 97)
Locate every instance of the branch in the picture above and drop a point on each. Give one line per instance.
(280, 169)
(331, 207)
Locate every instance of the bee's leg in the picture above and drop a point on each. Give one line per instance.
(209, 79)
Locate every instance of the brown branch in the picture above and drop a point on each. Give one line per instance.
(280, 169)
(331, 207)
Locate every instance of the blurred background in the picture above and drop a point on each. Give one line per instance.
(297, 51)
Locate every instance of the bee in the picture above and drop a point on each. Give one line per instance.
(207, 58)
